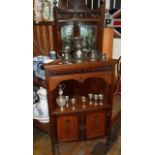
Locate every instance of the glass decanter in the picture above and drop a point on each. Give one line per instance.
(61, 100)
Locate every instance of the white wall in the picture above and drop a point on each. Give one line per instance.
(116, 48)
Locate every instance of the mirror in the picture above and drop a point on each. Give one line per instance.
(67, 33)
(88, 33)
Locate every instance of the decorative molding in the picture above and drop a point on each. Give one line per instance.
(79, 71)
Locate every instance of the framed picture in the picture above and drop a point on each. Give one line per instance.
(43, 10)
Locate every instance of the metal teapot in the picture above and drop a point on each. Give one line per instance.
(42, 105)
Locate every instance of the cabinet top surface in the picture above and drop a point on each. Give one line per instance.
(57, 65)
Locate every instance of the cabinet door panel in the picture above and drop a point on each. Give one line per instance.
(67, 128)
(95, 123)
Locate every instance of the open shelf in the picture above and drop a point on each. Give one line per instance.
(79, 108)
(45, 126)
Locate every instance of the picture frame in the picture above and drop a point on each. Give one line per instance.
(43, 10)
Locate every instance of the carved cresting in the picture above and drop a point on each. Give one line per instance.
(76, 4)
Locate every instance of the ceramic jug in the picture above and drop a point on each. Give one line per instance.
(42, 105)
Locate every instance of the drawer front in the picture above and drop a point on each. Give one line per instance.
(95, 123)
(67, 127)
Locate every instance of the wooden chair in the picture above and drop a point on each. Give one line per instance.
(118, 77)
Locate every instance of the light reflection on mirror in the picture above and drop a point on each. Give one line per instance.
(67, 33)
(88, 33)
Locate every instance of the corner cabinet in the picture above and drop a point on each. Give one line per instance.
(80, 79)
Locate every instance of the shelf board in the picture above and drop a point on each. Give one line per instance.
(45, 126)
(79, 11)
(80, 20)
(41, 22)
(79, 108)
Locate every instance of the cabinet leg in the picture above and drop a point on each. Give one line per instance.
(53, 149)
(57, 149)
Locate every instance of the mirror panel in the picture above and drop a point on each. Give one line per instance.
(67, 33)
(88, 33)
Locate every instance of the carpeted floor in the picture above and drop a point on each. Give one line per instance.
(114, 147)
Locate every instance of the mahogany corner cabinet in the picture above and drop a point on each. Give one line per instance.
(80, 79)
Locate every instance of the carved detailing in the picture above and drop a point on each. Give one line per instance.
(79, 15)
(74, 4)
(76, 9)
(79, 71)
(55, 3)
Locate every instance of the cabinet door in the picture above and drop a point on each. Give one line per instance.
(67, 126)
(95, 123)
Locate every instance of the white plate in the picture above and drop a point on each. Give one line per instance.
(48, 61)
(42, 120)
